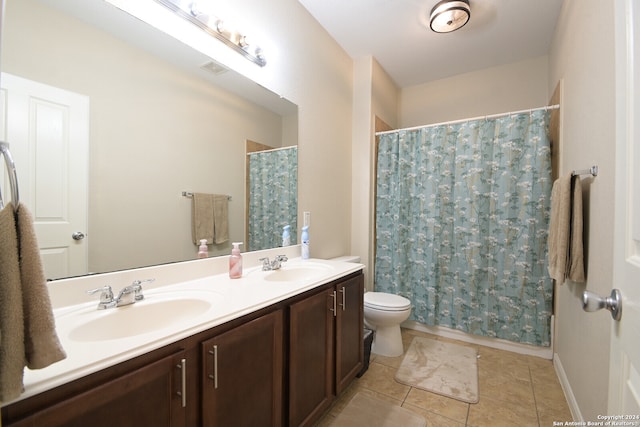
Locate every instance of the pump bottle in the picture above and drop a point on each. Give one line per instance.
(235, 261)
(286, 236)
(203, 250)
(304, 240)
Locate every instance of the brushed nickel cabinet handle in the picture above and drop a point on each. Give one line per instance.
(214, 376)
(333, 295)
(183, 377)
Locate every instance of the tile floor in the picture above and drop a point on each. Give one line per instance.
(515, 390)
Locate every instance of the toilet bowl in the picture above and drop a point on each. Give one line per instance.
(383, 314)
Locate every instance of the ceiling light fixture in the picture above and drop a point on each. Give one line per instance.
(193, 12)
(449, 15)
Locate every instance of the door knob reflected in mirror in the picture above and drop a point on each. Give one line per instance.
(594, 302)
(78, 235)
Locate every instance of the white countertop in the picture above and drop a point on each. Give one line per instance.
(219, 300)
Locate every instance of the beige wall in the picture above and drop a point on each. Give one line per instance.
(375, 94)
(499, 89)
(361, 153)
(386, 96)
(582, 55)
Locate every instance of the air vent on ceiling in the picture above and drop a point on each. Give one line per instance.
(214, 68)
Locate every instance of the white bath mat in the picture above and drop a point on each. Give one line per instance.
(440, 367)
(365, 410)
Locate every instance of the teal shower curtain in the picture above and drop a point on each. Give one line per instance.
(462, 215)
(273, 197)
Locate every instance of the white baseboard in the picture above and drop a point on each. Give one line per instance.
(531, 350)
(566, 388)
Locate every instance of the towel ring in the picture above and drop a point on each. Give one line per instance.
(13, 176)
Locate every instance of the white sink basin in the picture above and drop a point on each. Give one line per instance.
(152, 314)
(297, 272)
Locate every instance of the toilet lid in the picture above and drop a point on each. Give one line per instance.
(385, 301)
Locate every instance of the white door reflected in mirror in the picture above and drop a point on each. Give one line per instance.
(48, 129)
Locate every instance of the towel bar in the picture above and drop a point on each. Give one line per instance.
(13, 176)
(190, 194)
(593, 171)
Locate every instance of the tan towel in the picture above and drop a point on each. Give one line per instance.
(210, 218)
(12, 357)
(566, 258)
(42, 346)
(220, 218)
(202, 218)
(575, 261)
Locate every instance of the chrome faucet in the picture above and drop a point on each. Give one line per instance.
(106, 297)
(275, 265)
(127, 295)
(130, 294)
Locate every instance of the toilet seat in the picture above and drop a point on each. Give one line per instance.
(386, 302)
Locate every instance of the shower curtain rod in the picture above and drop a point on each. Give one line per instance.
(492, 116)
(271, 150)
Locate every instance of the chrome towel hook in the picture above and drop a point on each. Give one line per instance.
(13, 176)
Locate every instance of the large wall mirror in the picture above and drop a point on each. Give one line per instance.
(160, 119)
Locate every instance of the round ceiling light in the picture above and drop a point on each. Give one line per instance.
(449, 15)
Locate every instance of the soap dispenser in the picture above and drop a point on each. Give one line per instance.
(235, 261)
(286, 235)
(304, 240)
(203, 250)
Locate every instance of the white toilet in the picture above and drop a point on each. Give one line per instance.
(383, 314)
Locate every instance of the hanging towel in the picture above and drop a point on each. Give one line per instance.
(12, 355)
(42, 346)
(202, 218)
(565, 247)
(220, 218)
(210, 218)
(575, 261)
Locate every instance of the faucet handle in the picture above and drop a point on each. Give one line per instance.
(282, 258)
(140, 282)
(106, 297)
(266, 265)
(137, 288)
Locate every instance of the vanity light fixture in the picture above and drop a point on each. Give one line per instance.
(449, 15)
(217, 28)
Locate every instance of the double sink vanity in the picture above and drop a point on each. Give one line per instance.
(195, 347)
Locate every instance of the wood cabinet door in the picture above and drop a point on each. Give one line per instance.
(148, 396)
(349, 331)
(311, 352)
(242, 375)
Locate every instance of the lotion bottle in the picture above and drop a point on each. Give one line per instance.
(235, 261)
(286, 236)
(304, 239)
(203, 250)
